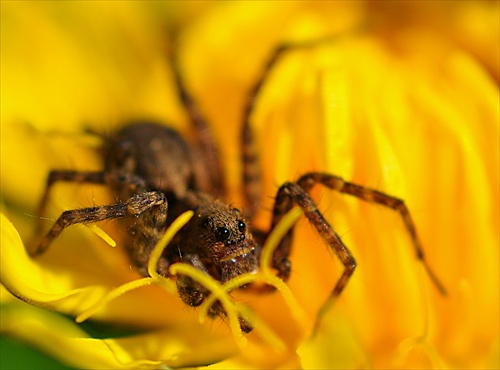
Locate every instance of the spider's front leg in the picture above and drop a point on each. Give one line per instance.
(336, 183)
(114, 179)
(135, 206)
(288, 195)
(297, 193)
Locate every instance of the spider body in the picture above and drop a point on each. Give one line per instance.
(217, 240)
(157, 176)
(159, 159)
(155, 153)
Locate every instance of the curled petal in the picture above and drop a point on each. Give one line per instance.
(71, 344)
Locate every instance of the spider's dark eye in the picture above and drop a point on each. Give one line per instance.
(222, 233)
(241, 226)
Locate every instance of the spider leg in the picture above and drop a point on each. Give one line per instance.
(288, 195)
(210, 171)
(336, 183)
(68, 176)
(148, 208)
(251, 172)
(115, 179)
(135, 206)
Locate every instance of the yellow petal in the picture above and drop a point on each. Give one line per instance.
(73, 346)
(71, 291)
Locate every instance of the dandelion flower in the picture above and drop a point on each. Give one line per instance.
(405, 101)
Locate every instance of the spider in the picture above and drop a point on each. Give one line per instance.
(157, 176)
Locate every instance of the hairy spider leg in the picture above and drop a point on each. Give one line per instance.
(68, 176)
(298, 193)
(135, 206)
(209, 169)
(308, 180)
(292, 193)
(132, 182)
(251, 171)
(94, 214)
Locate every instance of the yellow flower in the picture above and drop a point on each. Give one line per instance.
(404, 101)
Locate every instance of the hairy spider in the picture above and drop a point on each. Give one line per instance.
(157, 176)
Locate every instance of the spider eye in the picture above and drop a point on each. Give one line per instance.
(222, 233)
(241, 226)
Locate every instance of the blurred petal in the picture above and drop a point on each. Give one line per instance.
(73, 346)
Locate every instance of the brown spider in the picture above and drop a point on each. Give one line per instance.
(157, 176)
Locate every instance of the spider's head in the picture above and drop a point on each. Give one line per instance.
(226, 240)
